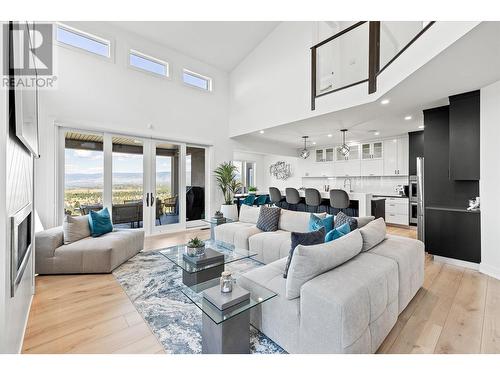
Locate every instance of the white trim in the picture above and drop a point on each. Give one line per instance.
(210, 82)
(489, 270)
(25, 325)
(107, 172)
(457, 262)
(132, 51)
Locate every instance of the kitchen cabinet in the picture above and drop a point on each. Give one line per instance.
(396, 211)
(324, 155)
(348, 168)
(396, 157)
(353, 153)
(372, 167)
(372, 150)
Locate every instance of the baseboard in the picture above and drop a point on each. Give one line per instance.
(457, 262)
(20, 349)
(490, 270)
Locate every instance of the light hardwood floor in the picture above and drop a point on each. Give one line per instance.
(456, 311)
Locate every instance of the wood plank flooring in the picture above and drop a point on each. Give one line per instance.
(456, 311)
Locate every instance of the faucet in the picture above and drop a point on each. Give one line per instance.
(347, 180)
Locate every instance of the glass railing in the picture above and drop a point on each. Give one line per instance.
(359, 53)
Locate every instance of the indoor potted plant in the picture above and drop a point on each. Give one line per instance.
(195, 247)
(252, 189)
(225, 175)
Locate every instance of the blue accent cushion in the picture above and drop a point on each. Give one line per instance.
(316, 222)
(100, 222)
(306, 239)
(249, 200)
(338, 232)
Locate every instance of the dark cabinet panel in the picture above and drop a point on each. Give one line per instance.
(416, 149)
(453, 234)
(464, 136)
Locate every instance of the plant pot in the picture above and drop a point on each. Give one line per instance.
(195, 251)
(230, 211)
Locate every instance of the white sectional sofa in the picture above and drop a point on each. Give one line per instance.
(348, 309)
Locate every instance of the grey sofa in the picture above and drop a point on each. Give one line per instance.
(88, 255)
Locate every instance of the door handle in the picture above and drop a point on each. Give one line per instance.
(152, 199)
(147, 199)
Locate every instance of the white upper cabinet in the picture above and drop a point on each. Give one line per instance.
(324, 155)
(396, 157)
(372, 150)
(352, 155)
(372, 167)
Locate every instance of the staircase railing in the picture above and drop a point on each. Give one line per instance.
(355, 54)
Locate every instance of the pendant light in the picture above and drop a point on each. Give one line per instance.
(344, 149)
(304, 153)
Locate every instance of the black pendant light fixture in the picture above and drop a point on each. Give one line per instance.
(304, 153)
(344, 149)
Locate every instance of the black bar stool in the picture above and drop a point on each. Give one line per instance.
(313, 200)
(276, 197)
(292, 198)
(339, 200)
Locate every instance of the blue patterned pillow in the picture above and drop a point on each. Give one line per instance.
(342, 218)
(269, 218)
(338, 232)
(309, 238)
(100, 222)
(316, 222)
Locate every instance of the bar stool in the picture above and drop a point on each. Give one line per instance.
(339, 200)
(292, 198)
(276, 197)
(313, 199)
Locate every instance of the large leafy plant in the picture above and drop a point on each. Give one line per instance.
(225, 175)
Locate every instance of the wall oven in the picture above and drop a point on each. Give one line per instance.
(413, 189)
(413, 213)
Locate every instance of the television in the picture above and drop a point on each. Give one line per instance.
(23, 76)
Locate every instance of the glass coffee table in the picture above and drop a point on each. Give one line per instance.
(226, 331)
(215, 222)
(192, 274)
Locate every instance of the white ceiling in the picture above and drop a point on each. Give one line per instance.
(222, 44)
(469, 64)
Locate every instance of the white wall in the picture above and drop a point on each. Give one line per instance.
(490, 180)
(272, 85)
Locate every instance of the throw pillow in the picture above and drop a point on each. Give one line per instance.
(311, 261)
(100, 222)
(75, 228)
(342, 218)
(373, 233)
(316, 222)
(269, 218)
(309, 238)
(338, 232)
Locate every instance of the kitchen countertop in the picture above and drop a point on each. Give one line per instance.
(389, 196)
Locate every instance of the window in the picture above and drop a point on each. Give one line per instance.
(196, 80)
(84, 41)
(148, 63)
(245, 173)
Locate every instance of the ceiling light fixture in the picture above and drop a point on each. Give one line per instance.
(376, 133)
(330, 135)
(408, 118)
(385, 101)
(421, 126)
(261, 132)
(344, 149)
(304, 153)
(314, 143)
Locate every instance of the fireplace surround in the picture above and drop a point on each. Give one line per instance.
(21, 239)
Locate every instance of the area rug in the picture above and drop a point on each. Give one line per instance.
(152, 283)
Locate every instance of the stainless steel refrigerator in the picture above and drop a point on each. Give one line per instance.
(420, 200)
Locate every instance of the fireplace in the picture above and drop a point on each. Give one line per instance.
(20, 243)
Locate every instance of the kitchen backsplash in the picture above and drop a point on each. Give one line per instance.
(375, 185)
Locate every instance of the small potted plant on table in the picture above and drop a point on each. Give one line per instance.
(252, 189)
(195, 247)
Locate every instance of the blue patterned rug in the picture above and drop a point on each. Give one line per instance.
(152, 283)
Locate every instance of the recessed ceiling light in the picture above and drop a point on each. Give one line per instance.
(261, 132)
(330, 135)
(314, 143)
(376, 133)
(385, 101)
(407, 118)
(421, 126)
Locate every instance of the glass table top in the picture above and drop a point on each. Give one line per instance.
(224, 220)
(194, 293)
(231, 254)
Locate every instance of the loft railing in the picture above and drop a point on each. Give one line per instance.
(359, 53)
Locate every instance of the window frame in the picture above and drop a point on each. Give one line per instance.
(197, 75)
(107, 41)
(133, 51)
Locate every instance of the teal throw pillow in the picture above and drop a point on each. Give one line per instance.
(316, 222)
(100, 222)
(338, 232)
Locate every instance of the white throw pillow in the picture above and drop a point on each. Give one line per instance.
(373, 233)
(311, 261)
(75, 228)
(249, 214)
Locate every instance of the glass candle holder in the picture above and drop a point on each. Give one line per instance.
(226, 282)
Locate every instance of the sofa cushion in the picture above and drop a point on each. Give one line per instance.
(249, 214)
(270, 246)
(311, 261)
(75, 228)
(294, 221)
(100, 222)
(236, 234)
(316, 222)
(363, 220)
(306, 239)
(342, 219)
(373, 233)
(268, 218)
